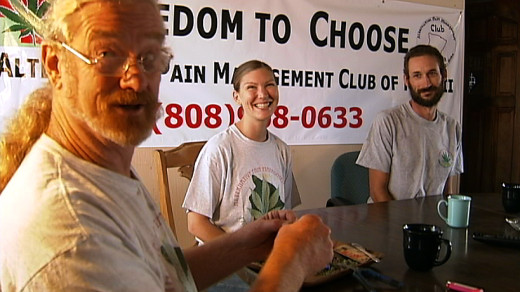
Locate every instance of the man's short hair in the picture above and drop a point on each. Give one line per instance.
(424, 50)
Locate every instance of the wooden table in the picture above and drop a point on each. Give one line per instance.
(379, 227)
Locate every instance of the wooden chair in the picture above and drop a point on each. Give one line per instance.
(183, 157)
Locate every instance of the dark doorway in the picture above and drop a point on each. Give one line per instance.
(491, 118)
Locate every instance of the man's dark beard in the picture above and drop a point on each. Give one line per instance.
(438, 92)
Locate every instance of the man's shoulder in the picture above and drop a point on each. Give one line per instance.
(40, 160)
(446, 118)
(397, 110)
(391, 115)
(26, 200)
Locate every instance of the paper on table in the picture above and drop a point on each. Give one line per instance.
(345, 256)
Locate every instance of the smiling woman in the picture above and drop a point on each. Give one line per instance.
(256, 91)
(244, 165)
(248, 168)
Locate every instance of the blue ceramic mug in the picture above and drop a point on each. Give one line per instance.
(458, 210)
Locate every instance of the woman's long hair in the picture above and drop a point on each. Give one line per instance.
(22, 131)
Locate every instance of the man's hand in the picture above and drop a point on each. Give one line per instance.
(256, 238)
(301, 249)
(309, 239)
(287, 216)
(231, 251)
(259, 235)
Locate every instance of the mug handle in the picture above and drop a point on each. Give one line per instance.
(448, 253)
(439, 209)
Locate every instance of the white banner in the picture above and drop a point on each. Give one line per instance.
(338, 64)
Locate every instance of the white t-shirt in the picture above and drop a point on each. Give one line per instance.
(418, 154)
(232, 171)
(69, 225)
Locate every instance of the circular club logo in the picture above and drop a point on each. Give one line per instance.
(437, 32)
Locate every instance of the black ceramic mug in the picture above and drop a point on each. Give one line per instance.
(511, 197)
(422, 245)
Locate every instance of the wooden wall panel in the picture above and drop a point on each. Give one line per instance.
(506, 74)
(504, 146)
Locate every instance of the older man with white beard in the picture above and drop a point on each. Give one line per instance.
(74, 215)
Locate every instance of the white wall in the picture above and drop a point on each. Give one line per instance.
(311, 166)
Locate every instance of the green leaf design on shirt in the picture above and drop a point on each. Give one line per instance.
(446, 159)
(264, 198)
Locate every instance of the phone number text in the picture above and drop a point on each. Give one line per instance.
(215, 115)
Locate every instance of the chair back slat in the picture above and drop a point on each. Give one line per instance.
(183, 157)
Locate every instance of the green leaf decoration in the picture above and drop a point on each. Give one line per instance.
(24, 33)
(264, 198)
(256, 201)
(256, 214)
(32, 5)
(446, 159)
(23, 25)
(42, 9)
(13, 16)
(14, 27)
